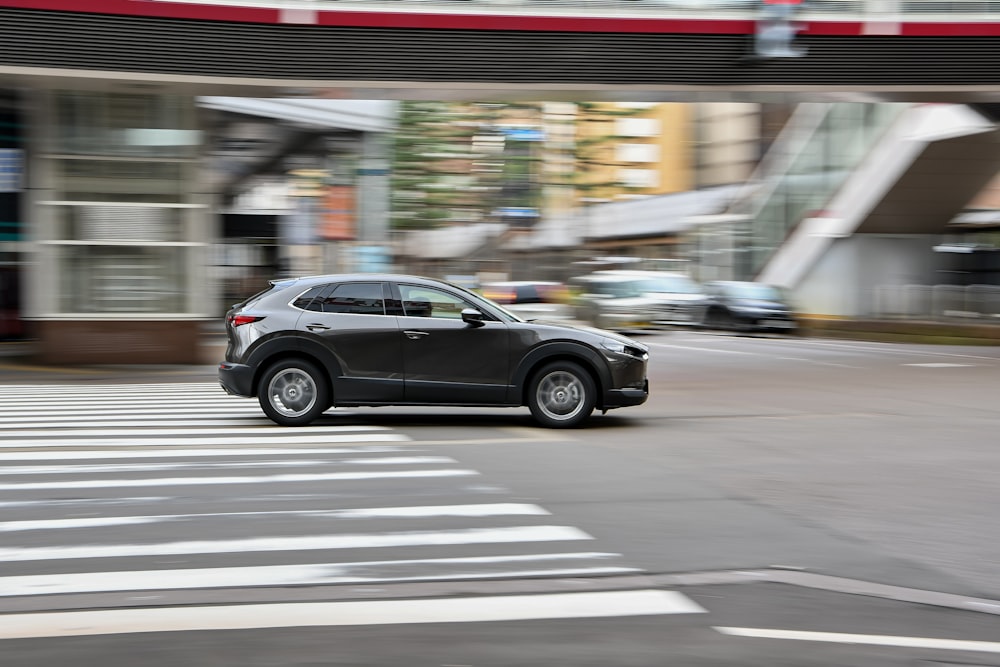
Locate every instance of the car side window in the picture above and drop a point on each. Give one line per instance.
(428, 302)
(306, 301)
(354, 299)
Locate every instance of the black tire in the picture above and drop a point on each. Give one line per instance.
(561, 395)
(293, 392)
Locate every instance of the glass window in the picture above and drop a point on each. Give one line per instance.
(305, 300)
(354, 299)
(429, 302)
(123, 279)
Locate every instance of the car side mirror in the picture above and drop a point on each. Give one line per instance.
(473, 317)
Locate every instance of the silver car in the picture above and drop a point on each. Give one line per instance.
(677, 299)
(613, 302)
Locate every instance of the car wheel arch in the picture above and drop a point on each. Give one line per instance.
(590, 360)
(312, 353)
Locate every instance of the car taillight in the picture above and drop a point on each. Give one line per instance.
(240, 320)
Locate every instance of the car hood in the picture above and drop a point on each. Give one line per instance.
(593, 331)
(759, 304)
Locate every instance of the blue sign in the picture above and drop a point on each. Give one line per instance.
(523, 133)
(11, 169)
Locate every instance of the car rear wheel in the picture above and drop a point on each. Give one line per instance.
(293, 392)
(562, 394)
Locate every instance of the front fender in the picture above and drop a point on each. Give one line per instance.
(560, 350)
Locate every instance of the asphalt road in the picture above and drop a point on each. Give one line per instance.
(778, 501)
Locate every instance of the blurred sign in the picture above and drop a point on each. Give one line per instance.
(338, 213)
(11, 169)
(372, 259)
(523, 133)
(776, 30)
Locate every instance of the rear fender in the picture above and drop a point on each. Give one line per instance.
(281, 348)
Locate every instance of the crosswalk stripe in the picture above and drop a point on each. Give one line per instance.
(320, 614)
(300, 543)
(137, 386)
(103, 412)
(280, 437)
(313, 574)
(264, 430)
(104, 423)
(260, 479)
(72, 469)
(480, 510)
(96, 454)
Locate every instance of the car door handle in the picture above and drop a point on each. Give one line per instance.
(415, 335)
(317, 327)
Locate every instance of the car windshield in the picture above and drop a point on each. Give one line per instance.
(754, 291)
(479, 298)
(670, 284)
(623, 289)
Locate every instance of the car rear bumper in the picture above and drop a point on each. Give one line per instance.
(236, 379)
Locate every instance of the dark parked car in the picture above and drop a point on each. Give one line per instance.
(304, 345)
(747, 306)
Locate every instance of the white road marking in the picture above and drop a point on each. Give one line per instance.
(78, 388)
(279, 438)
(300, 543)
(266, 430)
(76, 469)
(263, 429)
(202, 481)
(94, 454)
(885, 348)
(325, 614)
(872, 640)
(749, 354)
(105, 420)
(941, 365)
(480, 510)
(303, 575)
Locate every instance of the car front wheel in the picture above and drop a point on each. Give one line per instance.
(293, 393)
(562, 394)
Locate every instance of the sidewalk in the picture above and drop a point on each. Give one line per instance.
(19, 366)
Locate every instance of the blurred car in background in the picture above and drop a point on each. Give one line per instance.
(678, 300)
(531, 300)
(612, 302)
(747, 306)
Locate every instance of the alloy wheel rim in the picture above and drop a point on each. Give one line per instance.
(292, 392)
(560, 395)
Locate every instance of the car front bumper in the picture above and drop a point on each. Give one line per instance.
(621, 398)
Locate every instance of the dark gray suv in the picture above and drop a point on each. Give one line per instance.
(307, 344)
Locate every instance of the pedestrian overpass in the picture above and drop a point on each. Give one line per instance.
(639, 50)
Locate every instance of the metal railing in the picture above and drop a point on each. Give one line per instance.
(938, 302)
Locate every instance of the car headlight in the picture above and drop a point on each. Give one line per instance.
(613, 345)
(622, 348)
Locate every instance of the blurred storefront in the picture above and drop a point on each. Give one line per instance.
(11, 240)
(120, 227)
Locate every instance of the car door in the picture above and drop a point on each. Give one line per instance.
(350, 320)
(445, 359)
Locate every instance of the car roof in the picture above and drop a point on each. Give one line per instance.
(360, 277)
(519, 283)
(639, 273)
(608, 277)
